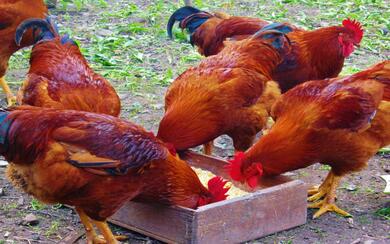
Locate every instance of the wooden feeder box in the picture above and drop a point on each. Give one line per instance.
(278, 204)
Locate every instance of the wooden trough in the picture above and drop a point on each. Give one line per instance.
(279, 204)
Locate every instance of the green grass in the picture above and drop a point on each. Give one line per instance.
(325, 167)
(53, 229)
(9, 206)
(127, 43)
(384, 151)
(384, 213)
(37, 205)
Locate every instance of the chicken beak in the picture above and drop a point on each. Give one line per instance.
(356, 45)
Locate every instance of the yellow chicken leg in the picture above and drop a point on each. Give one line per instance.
(208, 148)
(11, 99)
(107, 233)
(327, 204)
(317, 192)
(92, 237)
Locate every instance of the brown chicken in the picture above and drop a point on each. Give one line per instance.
(341, 122)
(96, 163)
(13, 12)
(60, 77)
(229, 93)
(317, 54)
(209, 30)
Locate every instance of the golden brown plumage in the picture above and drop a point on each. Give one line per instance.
(225, 94)
(96, 163)
(316, 54)
(341, 122)
(60, 77)
(14, 12)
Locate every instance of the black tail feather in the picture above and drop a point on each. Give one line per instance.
(180, 15)
(48, 29)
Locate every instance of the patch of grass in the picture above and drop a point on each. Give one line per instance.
(57, 206)
(80, 4)
(384, 151)
(318, 231)
(384, 213)
(9, 206)
(364, 220)
(37, 205)
(127, 42)
(369, 190)
(325, 167)
(53, 229)
(286, 242)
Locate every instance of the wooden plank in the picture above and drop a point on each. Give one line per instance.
(168, 224)
(278, 204)
(256, 215)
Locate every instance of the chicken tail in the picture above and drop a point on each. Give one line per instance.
(190, 18)
(282, 27)
(4, 128)
(48, 31)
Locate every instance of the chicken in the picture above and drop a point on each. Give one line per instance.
(96, 163)
(341, 122)
(229, 93)
(60, 77)
(13, 12)
(208, 31)
(316, 54)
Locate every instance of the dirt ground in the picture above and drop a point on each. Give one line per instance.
(361, 194)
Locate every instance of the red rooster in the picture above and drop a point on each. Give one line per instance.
(60, 77)
(228, 93)
(96, 163)
(341, 122)
(209, 31)
(316, 54)
(14, 12)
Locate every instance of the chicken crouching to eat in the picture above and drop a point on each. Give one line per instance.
(341, 122)
(59, 75)
(228, 93)
(96, 163)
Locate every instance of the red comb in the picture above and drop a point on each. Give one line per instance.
(217, 188)
(354, 26)
(234, 166)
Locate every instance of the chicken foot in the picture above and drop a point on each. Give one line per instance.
(328, 203)
(11, 99)
(317, 192)
(107, 233)
(92, 237)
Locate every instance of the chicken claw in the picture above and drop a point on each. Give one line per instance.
(92, 237)
(327, 190)
(100, 238)
(106, 232)
(327, 207)
(313, 190)
(318, 192)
